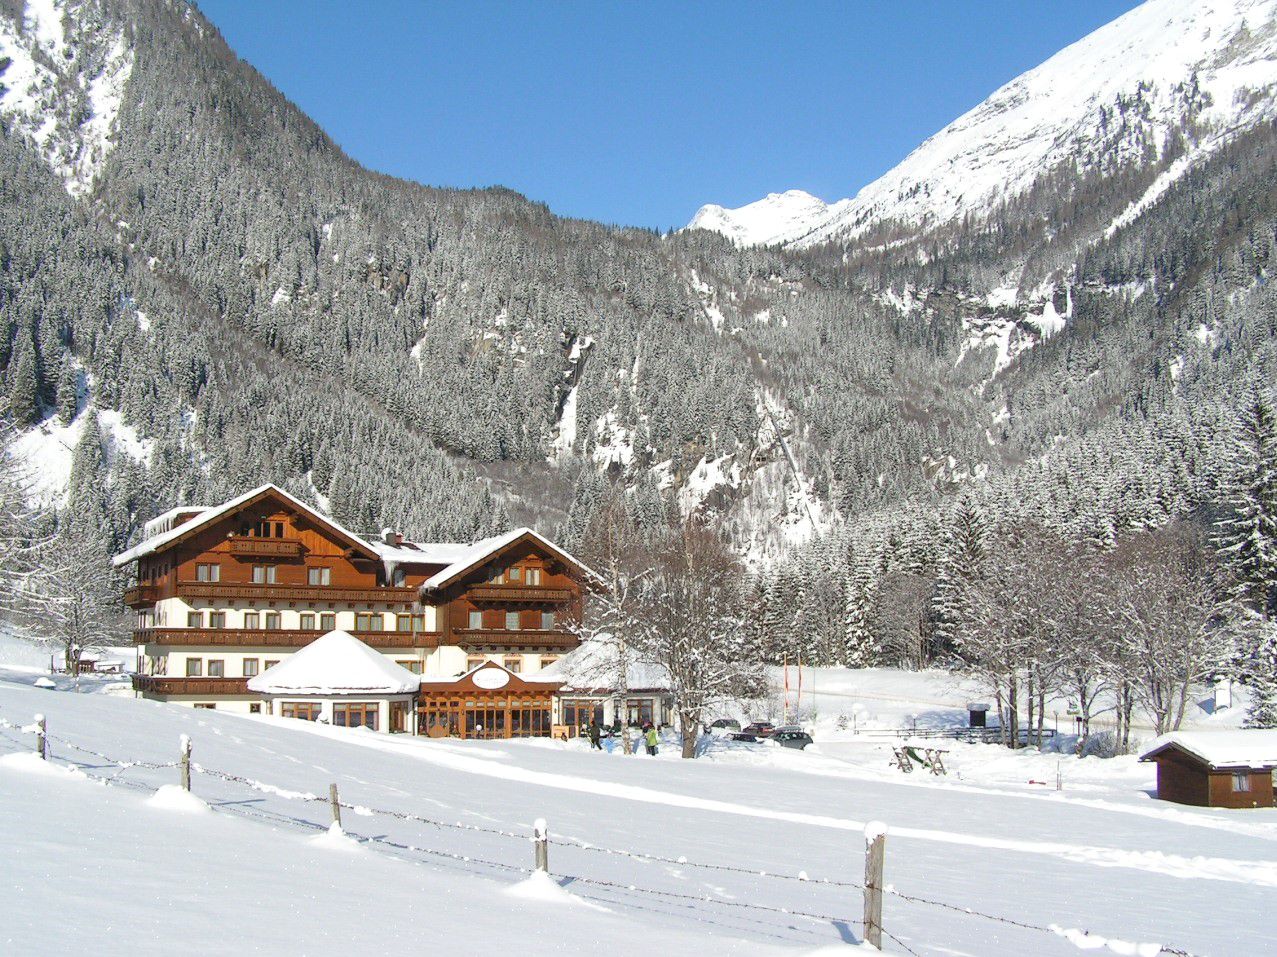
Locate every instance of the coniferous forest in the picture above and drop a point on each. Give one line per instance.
(230, 300)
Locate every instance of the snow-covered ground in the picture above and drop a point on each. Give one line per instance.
(249, 876)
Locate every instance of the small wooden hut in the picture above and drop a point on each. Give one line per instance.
(1232, 769)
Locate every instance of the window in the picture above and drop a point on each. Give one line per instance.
(263, 574)
(194, 667)
(403, 622)
(217, 619)
(516, 574)
(414, 665)
(307, 621)
(272, 621)
(369, 621)
(250, 667)
(532, 576)
(1241, 780)
(355, 714)
(208, 573)
(474, 661)
(638, 712)
(547, 660)
(496, 577)
(512, 620)
(547, 621)
(206, 707)
(320, 576)
(476, 620)
(255, 708)
(513, 663)
(305, 710)
(194, 619)
(271, 662)
(252, 620)
(399, 578)
(328, 622)
(216, 668)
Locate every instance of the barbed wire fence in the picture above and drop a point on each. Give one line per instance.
(44, 738)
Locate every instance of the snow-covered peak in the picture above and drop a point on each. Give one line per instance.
(1201, 68)
(777, 218)
(63, 71)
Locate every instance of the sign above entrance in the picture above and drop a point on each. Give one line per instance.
(490, 678)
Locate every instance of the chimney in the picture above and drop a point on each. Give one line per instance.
(398, 538)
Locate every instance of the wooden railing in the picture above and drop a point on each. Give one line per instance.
(139, 596)
(309, 593)
(275, 637)
(518, 593)
(265, 547)
(515, 639)
(156, 684)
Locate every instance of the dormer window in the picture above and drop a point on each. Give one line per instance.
(532, 576)
(516, 574)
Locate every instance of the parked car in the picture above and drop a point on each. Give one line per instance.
(792, 738)
(744, 736)
(764, 729)
(723, 724)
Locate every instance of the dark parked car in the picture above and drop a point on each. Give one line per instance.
(764, 729)
(792, 738)
(723, 724)
(744, 736)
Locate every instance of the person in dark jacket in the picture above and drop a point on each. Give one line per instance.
(594, 735)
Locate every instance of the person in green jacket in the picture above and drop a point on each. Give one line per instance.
(650, 739)
(594, 732)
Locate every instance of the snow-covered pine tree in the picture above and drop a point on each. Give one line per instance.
(1246, 539)
(961, 554)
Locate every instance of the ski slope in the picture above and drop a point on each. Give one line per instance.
(248, 876)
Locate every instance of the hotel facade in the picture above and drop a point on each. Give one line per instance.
(224, 593)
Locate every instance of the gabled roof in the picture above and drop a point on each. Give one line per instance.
(1245, 748)
(472, 556)
(210, 515)
(337, 663)
(468, 677)
(595, 665)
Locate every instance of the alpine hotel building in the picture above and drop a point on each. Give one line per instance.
(225, 593)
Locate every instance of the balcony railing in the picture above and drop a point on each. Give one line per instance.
(309, 593)
(275, 637)
(139, 596)
(518, 593)
(516, 639)
(155, 684)
(265, 547)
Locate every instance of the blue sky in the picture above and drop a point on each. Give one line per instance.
(639, 112)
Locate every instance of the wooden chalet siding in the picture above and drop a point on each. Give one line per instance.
(1182, 779)
(1259, 795)
(1185, 779)
(274, 638)
(312, 594)
(152, 684)
(559, 592)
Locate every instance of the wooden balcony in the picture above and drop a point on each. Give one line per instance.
(265, 547)
(518, 593)
(515, 639)
(155, 684)
(275, 638)
(230, 591)
(141, 596)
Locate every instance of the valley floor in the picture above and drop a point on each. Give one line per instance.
(91, 855)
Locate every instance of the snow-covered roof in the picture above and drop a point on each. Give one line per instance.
(469, 556)
(595, 665)
(154, 543)
(337, 663)
(1241, 748)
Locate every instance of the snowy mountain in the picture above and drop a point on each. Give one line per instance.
(777, 218)
(1166, 83)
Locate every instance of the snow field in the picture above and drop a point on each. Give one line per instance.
(760, 818)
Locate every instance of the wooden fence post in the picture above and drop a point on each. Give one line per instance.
(541, 844)
(875, 853)
(184, 763)
(41, 738)
(336, 804)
